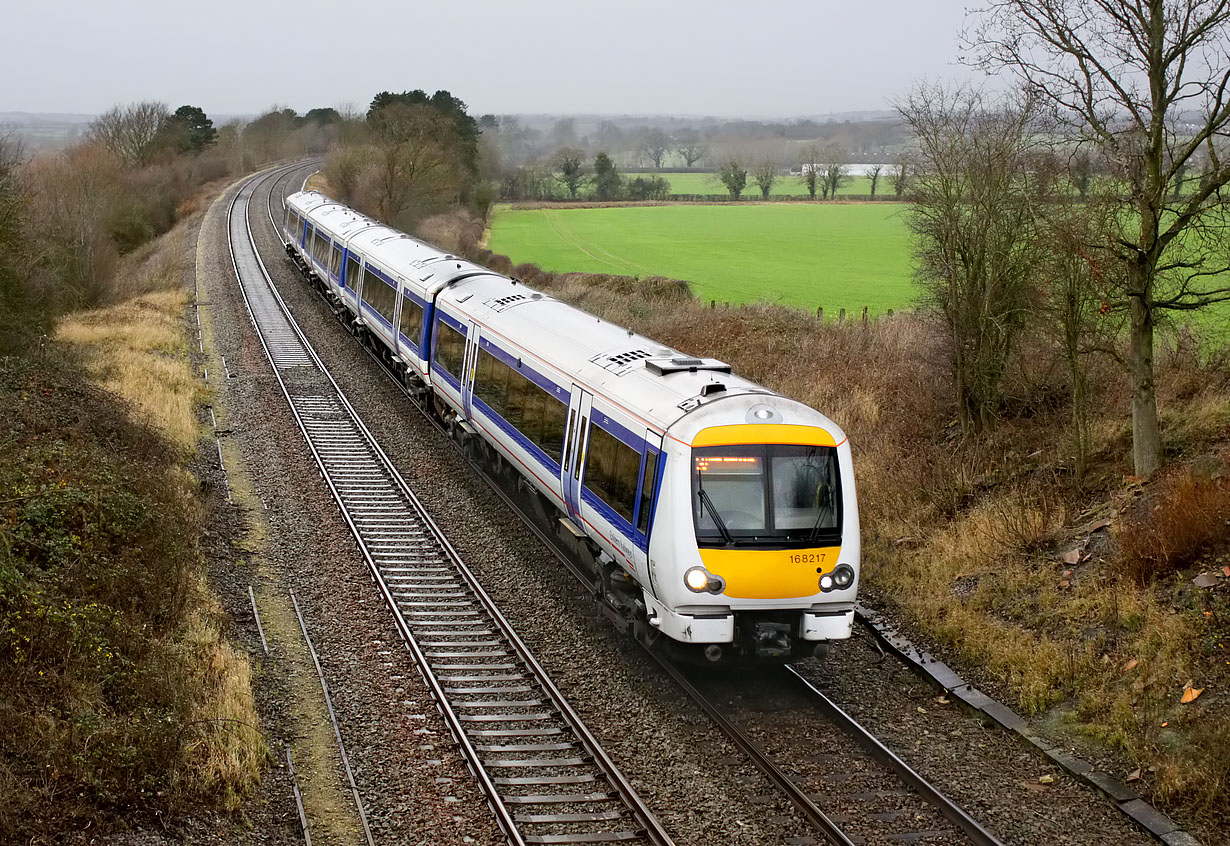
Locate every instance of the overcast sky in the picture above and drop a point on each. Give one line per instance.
(774, 58)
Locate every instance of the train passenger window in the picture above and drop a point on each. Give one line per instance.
(292, 221)
(554, 418)
(524, 405)
(352, 272)
(611, 471)
(647, 483)
(335, 261)
(450, 349)
(320, 247)
(411, 321)
(379, 295)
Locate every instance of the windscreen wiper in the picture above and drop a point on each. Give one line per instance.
(814, 534)
(713, 512)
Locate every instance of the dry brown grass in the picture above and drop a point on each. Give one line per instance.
(138, 348)
(1186, 513)
(966, 537)
(225, 752)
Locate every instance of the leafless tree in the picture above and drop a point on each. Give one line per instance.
(689, 145)
(973, 217)
(416, 169)
(873, 173)
(131, 132)
(655, 144)
(1147, 82)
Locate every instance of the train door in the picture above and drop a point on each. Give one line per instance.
(575, 440)
(467, 372)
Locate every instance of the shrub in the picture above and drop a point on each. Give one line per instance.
(1185, 514)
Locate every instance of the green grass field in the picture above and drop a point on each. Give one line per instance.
(835, 256)
(792, 186)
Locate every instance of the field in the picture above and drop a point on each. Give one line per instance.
(835, 256)
(708, 183)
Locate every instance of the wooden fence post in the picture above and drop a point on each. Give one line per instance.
(841, 316)
(864, 317)
(820, 313)
(890, 312)
(712, 303)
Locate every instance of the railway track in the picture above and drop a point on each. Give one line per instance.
(546, 778)
(905, 808)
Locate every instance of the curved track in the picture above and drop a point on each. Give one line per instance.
(903, 807)
(544, 775)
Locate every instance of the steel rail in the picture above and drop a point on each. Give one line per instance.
(374, 461)
(797, 796)
(908, 775)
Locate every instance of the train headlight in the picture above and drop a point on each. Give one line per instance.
(840, 579)
(696, 579)
(699, 580)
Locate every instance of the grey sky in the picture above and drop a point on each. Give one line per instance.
(685, 57)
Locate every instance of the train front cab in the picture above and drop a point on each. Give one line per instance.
(760, 560)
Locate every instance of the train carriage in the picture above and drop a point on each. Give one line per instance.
(717, 514)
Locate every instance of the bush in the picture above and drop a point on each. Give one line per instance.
(97, 687)
(1184, 515)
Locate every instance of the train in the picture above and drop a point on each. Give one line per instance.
(717, 518)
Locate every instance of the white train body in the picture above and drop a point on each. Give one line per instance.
(636, 446)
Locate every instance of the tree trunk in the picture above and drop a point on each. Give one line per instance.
(1146, 434)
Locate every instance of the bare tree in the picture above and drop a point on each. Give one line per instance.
(974, 219)
(873, 173)
(764, 172)
(654, 145)
(689, 145)
(416, 169)
(1073, 295)
(131, 132)
(1147, 82)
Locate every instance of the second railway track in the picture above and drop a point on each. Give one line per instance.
(913, 810)
(544, 775)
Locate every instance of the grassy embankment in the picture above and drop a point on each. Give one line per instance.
(120, 697)
(835, 256)
(1071, 597)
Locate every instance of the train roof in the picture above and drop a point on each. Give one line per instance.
(643, 376)
(635, 372)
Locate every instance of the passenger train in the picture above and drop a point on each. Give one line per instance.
(718, 517)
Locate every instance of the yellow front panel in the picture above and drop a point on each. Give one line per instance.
(770, 573)
(763, 433)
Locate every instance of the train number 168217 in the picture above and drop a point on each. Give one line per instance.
(807, 558)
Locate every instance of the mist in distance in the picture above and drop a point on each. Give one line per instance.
(776, 59)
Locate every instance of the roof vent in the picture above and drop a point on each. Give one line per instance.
(665, 367)
(621, 362)
(711, 389)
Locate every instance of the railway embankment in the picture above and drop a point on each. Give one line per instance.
(122, 701)
(1098, 605)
